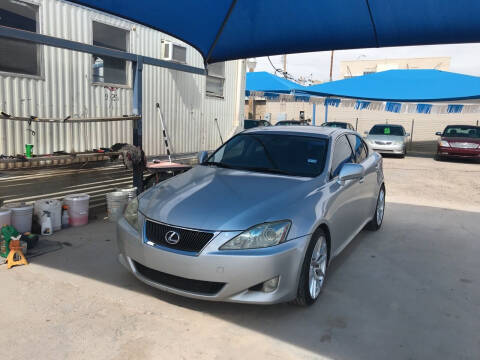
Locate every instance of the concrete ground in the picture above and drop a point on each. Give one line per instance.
(408, 291)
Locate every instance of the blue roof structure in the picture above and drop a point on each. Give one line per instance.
(269, 83)
(234, 29)
(414, 85)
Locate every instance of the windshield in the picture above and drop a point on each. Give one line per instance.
(335, 125)
(462, 131)
(272, 153)
(394, 130)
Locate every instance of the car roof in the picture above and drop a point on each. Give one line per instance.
(320, 131)
(391, 125)
(461, 125)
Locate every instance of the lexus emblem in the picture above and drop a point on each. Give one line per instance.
(172, 237)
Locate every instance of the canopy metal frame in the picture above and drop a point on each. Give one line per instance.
(138, 61)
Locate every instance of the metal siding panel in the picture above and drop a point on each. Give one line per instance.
(66, 89)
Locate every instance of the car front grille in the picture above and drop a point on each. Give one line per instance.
(180, 283)
(383, 142)
(188, 240)
(463, 145)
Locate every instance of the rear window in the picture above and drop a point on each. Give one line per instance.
(394, 130)
(248, 124)
(335, 125)
(462, 131)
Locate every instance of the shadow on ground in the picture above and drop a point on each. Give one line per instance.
(409, 291)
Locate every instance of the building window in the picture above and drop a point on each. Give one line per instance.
(17, 56)
(215, 79)
(107, 69)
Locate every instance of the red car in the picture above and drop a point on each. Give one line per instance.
(459, 141)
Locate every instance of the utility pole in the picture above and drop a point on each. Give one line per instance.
(331, 65)
(285, 65)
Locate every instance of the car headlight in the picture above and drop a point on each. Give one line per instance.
(131, 214)
(443, 143)
(260, 236)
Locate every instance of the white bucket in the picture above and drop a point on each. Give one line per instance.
(54, 207)
(21, 216)
(132, 192)
(5, 217)
(77, 208)
(116, 202)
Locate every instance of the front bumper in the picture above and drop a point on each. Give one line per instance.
(239, 270)
(448, 151)
(388, 149)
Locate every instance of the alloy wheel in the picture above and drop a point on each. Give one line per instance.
(380, 206)
(318, 265)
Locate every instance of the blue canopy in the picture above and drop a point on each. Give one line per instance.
(235, 29)
(413, 85)
(269, 83)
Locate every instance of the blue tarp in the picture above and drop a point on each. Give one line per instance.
(269, 83)
(404, 86)
(237, 29)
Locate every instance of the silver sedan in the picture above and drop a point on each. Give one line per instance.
(388, 139)
(260, 220)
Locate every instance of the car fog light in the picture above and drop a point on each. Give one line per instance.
(270, 285)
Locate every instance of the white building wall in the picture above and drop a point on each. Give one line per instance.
(425, 125)
(65, 89)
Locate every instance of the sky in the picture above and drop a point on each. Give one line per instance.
(464, 59)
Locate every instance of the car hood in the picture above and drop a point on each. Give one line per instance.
(461, 140)
(385, 138)
(218, 199)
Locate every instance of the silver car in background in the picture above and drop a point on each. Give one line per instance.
(388, 139)
(258, 221)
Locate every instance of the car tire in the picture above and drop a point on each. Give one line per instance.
(377, 220)
(315, 264)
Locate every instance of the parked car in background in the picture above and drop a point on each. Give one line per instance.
(388, 139)
(248, 124)
(256, 222)
(460, 141)
(292, 122)
(339, 124)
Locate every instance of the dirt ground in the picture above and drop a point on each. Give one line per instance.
(408, 291)
(424, 181)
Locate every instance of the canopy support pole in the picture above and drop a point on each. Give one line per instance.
(326, 111)
(314, 108)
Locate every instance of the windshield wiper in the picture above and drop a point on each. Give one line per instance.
(266, 170)
(219, 164)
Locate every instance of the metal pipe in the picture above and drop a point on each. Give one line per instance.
(68, 120)
(32, 37)
(356, 125)
(219, 132)
(137, 126)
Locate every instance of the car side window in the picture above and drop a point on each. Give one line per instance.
(342, 154)
(359, 147)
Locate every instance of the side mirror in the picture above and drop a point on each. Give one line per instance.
(202, 156)
(365, 132)
(438, 133)
(407, 134)
(350, 172)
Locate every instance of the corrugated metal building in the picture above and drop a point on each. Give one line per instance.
(50, 82)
